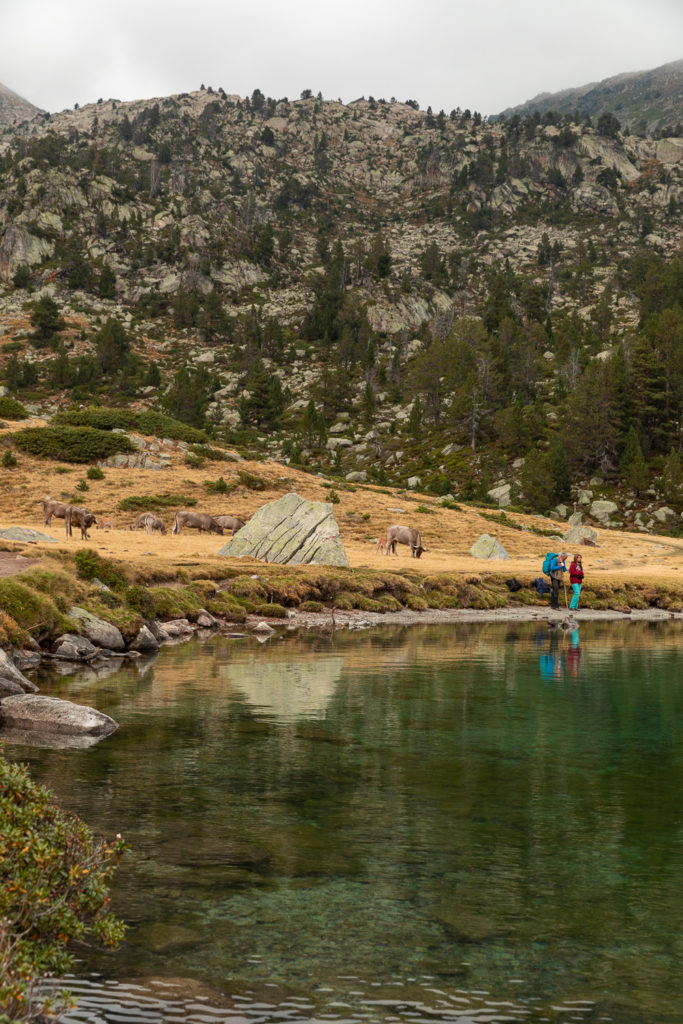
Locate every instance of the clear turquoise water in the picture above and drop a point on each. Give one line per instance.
(474, 823)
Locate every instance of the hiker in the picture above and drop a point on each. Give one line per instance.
(576, 579)
(555, 571)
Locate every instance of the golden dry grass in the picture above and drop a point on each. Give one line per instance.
(447, 534)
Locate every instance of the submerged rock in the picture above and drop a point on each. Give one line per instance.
(33, 712)
(290, 530)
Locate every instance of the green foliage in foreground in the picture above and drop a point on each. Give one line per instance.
(71, 444)
(154, 423)
(10, 409)
(148, 502)
(54, 880)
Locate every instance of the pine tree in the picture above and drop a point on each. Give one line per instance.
(632, 464)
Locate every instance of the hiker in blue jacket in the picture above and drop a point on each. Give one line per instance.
(557, 568)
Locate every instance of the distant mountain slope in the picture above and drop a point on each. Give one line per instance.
(14, 109)
(645, 102)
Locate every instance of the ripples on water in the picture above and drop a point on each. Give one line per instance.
(471, 824)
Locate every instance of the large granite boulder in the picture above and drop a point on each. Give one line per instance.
(488, 547)
(34, 712)
(71, 647)
(97, 631)
(290, 530)
(501, 494)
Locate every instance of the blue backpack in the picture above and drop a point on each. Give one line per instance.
(547, 560)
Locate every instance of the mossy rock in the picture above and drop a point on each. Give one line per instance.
(416, 602)
(344, 600)
(34, 612)
(171, 603)
(311, 606)
(225, 606)
(271, 611)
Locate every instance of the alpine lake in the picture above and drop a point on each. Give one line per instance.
(457, 823)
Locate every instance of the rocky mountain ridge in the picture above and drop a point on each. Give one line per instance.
(645, 102)
(14, 109)
(334, 249)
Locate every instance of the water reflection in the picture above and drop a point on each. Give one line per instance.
(399, 825)
(562, 655)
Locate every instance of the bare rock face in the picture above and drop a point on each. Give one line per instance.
(18, 247)
(37, 713)
(14, 108)
(290, 530)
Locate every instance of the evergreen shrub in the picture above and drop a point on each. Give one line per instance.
(54, 881)
(11, 409)
(71, 444)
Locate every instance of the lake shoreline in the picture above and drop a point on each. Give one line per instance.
(337, 619)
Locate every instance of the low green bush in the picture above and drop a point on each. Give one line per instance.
(94, 473)
(12, 410)
(90, 566)
(148, 422)
(54, 882)
(251, 480)
(71, 444)
(148, 502)
(9, 460)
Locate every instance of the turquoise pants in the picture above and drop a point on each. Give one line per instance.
(574, 603)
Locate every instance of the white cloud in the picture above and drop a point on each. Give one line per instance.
(445, 53)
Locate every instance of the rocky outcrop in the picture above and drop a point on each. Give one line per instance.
(37, 713)
(291, 530)
(97, 631)
(488, 547)
(18, 247)
(26, 535)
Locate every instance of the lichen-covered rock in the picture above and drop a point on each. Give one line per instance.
(581, 535)
(290, 530)
(488, 547)
(97, 631)
(501, 495)
(71, 647)
(36, 713)
(25, 534)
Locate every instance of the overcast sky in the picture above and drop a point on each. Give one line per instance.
(481, 54)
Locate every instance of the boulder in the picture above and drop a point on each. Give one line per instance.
(71, 647)
(97, 631)
(357, 476)
(206, 620)
(575, 519)
(602, 510)
(580, 535)
(488, 547)
(584, 497)
(144, 641)
(501, 495)
(290, 530)
(25, 534)
(11, 677)
(663, 513)
(33, 712)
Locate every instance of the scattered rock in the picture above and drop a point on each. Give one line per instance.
(501, 494)
(144, 641)
(488, 547)
(575, 519)
(663, 513)
(71, 647)
(262, 627)
(602, 510)
(206, 620)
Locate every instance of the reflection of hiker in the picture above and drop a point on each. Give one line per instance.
(576, 579)
(556, 571)
(574, 654)
(552, 663)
